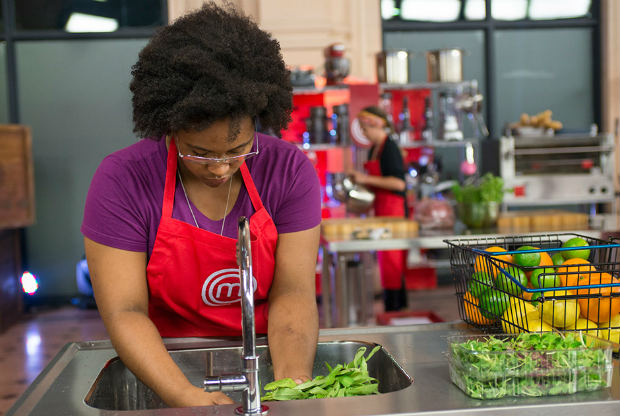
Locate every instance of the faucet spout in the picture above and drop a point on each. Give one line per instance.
(248, 381)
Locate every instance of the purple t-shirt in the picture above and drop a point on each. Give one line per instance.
(124, 202)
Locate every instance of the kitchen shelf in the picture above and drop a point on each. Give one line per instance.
(427, 85)
(440, 143)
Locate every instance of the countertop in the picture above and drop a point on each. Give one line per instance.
(419, 350)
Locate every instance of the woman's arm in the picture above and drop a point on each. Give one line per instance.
(120, 288)
(293, 316)
(391, 183)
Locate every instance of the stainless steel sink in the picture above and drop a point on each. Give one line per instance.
(116, 388)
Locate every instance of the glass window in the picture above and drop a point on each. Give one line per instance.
(540, 9)
(88, 15)
(475, 10)
(509, 9)
(388, 9)
(544, 69)
(430, 10)
(553, 9)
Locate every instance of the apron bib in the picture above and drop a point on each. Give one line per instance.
(193, 277)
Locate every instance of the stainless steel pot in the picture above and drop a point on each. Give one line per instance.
(393, 66)
(444, 65)
(357, 198)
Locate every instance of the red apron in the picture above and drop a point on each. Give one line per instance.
(388, 204)
(193, 277)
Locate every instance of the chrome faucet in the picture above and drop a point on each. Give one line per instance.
(247, 381)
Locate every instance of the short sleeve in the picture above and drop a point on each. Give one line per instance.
(392, 160)
(112, 214)
(300, 207)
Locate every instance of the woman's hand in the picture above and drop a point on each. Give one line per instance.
(358, 177)
(196, 396)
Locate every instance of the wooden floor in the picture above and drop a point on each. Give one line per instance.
(28, 346)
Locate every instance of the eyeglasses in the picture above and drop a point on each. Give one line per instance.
(215, 160)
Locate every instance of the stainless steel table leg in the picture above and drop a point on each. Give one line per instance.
(342, 297)
(326, 288)
(362, 286)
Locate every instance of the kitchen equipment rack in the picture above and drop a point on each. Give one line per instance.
(594, 285)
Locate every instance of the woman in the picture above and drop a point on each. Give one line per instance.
(386, 176)
(161, 215)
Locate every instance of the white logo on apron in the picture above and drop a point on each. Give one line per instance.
(223, 287)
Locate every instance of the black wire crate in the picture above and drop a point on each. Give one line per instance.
(538, 283)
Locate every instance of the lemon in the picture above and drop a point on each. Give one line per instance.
(610, 331)
(520, 305)
(523, 323)
(517, 319)
(539, 326)
(586, 327)
(559, 313)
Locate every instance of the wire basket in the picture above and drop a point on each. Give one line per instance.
(497, 295)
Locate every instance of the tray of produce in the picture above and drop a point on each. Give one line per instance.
(539, 283)
(529, 364)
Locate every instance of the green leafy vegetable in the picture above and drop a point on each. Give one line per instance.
(530, 364)
(346, 380)
(490, 188)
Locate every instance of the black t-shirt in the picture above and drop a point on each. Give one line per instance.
(391, 161)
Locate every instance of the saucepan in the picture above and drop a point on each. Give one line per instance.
(393, 66)
(444, 65)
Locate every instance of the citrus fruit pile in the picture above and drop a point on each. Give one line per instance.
(493, 294)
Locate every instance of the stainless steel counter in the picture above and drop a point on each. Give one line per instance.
(62, 387)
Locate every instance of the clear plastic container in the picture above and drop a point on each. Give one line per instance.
(528, 364)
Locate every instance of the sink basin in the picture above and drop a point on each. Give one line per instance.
(116, 388)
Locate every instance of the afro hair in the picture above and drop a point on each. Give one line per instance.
(208, 65)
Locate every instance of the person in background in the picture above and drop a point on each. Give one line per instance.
(160, 219)
(385, 175)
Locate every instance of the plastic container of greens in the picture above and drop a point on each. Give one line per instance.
(529, 364)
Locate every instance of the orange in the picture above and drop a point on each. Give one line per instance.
(483, 263)
(472, 311)
(573, 270)
(545, 259)
(599, 309)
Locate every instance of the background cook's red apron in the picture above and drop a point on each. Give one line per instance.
(193, 275)
(388, 204)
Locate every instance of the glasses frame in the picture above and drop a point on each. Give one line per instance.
(218, 160)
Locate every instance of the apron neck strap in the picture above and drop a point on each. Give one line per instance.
(171, 179)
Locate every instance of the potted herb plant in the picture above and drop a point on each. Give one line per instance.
(478, 204)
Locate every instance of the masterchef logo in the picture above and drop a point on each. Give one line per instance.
(223, 287)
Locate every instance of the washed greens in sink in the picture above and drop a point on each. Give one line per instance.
(346, 380)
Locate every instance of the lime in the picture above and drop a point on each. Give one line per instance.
(557, 259)
(506, 284)
(545, 278)
(527, 259)
(535, 297)
(493, 303)
(480, 282)
(579, 254)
